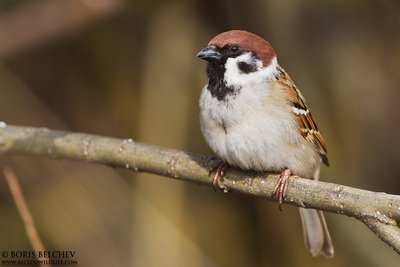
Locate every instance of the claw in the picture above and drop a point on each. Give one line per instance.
(218, 180)
(282, 186)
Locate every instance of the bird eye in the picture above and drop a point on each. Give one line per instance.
(234, 48)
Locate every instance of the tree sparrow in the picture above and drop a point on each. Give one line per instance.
(254, 117)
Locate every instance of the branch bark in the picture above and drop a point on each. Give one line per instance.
(379, 211)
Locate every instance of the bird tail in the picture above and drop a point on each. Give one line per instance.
(316, 235)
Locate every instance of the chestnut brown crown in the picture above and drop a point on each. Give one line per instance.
(245, 40)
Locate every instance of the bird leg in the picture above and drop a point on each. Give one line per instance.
(282, 186)
(218, 180)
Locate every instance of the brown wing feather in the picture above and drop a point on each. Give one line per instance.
(306, 123)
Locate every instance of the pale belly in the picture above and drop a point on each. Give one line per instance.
(264, 144)
(249, 134)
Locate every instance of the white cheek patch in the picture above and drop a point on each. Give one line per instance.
(236, 78)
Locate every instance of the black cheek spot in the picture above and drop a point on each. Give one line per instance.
(246, 67)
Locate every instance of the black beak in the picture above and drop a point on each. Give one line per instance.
(209, 53)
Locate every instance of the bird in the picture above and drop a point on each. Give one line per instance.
(254, 117)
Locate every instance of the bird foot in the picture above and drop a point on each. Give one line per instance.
(282, 186)
(218, 180)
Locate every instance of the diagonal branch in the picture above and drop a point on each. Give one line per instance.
(379, 211)
(39, 22)
(26, 215)
(388, 233)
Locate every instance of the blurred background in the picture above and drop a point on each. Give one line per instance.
(127, 69)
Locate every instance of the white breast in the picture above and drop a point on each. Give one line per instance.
(256, 130)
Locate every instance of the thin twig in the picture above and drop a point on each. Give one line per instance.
(366, 206)
(30, 227)
(390, 234)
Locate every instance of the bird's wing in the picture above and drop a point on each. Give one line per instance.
(306, 124)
